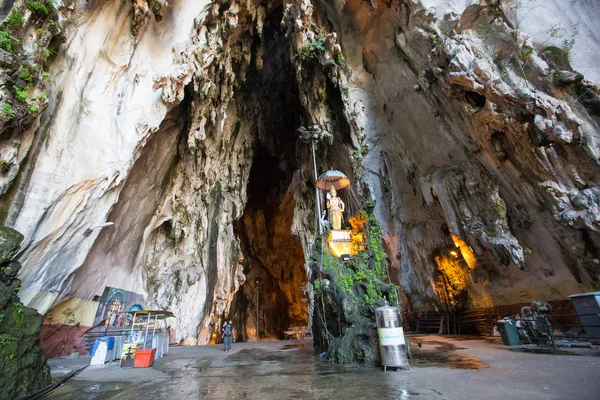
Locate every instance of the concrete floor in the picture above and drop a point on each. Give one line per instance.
(445, 368)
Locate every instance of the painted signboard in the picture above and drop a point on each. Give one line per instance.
(114, 305)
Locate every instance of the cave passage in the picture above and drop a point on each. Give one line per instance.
(273, 257)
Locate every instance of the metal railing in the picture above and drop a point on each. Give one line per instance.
(540, 331)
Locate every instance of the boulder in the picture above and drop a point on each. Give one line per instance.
(10, 241)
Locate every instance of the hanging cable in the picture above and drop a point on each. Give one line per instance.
(318, 228)
(319, 232)
(323, 316)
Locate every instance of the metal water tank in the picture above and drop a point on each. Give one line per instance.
(392, 345)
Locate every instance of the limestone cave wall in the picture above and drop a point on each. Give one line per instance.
(477, 140)
(515, 152)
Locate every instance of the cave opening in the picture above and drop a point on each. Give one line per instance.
(476, 100)
(271, 297)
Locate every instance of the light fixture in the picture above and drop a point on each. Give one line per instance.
(345, 257)
(88, 231)
(257, 283)
(454, 253)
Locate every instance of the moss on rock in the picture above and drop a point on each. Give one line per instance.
(10, 241)
(23, 364)
(344, 317)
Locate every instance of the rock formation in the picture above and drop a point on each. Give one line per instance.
(22, 360)
(477, 140)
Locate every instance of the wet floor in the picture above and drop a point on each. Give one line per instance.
(435, 353)
(278, 371)
(441, 369)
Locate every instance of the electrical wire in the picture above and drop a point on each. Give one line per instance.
(544, 282)
(52, 387)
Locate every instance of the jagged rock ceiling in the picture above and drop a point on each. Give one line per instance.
(455, 123)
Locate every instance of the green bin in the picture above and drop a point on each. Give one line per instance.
(508, 330)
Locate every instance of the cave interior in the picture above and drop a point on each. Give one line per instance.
(273, 257)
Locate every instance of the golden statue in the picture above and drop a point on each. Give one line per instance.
(336, 209)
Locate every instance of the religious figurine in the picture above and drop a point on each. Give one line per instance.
(113, 312)
(336, 208)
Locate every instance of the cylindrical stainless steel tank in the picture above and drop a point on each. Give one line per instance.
(392, 345)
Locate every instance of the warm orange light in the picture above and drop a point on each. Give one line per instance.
(465, 250)
(454, 253)
(452, 281)
(338, 248)
(357, 234)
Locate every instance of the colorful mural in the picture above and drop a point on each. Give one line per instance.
(114, 306)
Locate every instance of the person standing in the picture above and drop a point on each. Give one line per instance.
(227, 334)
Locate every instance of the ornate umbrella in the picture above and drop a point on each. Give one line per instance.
(333, 178)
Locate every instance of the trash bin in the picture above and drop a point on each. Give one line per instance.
(392, 345)
(587, 306)
(508, 331)
(144, 358)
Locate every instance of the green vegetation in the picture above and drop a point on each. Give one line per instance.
(21, 94)
(317, 287)
(490, 231)
(4, 167)
(322, 94)
(362, 150)
(193, 148)
(33, 109)
(6, 339)
(387, 190)
(45, 54)
(154, 5)
(312, 50)
(15, 18)
(55, 26)
(341, 60)
(26, 75)
(38, 8)
(8, 112)
(363, 277)
(526, 52)
(21, 356)
(7, 41)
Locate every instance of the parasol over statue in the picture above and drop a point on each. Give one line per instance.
(333, 179)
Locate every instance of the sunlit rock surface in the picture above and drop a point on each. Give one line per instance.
(471, 133)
